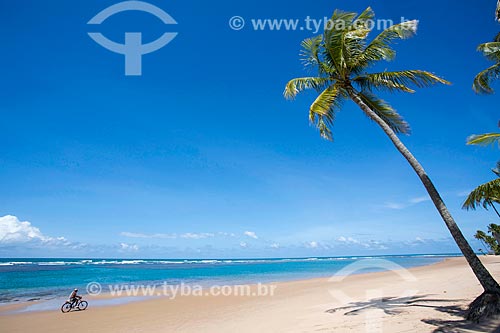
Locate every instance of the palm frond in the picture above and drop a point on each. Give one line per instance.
(484, 139)
(336, 43)
(322, 110)
(398, 81)
(494, 228)
(482, 81)
(362, 25)
(480, 235)
(364, 18)
(295, 86)
(380, 49)
(310, 52)
(323, 125)
(484, 195)
(403, 30)
(490, 50)
(386, 112)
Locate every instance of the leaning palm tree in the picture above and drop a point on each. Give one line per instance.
(341, 56)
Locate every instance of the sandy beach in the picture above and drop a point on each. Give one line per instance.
(422, 299)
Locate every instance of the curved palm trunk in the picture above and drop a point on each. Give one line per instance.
(493, 205)
(487, 281)
(497, 237)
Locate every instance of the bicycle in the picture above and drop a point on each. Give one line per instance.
(78, 305)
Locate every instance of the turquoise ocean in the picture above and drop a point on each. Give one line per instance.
(29, 279)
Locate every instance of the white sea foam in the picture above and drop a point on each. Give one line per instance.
(203, 261)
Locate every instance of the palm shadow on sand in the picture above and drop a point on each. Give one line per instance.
(397, 305)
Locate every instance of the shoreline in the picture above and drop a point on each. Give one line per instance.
(23, 305)
(419, 300)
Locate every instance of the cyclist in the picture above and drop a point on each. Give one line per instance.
(74, 298)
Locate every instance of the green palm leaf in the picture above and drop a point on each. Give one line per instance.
(386, 112)
(325, 103)
(490, 50)
(482, 81)
(380, 49)
(361, 26)
(322, 110)
(310, 51)
(365, 18)
(484, 195)
(339, 47)
(484, 139)
(297, 85)
(398, 81)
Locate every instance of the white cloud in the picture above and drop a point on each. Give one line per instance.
(394, 205)
(312, 245)
(251, 234)
(187, 235)
(226, 234)
(202, 235)
(419, 241)
(348, 240)
(243, 244)
(129, 247)
(274, 246)
(14, 231)
(418, 200)
(409, 203)
(140, 235)
(23, 237)
(369, 244)
(375, 245)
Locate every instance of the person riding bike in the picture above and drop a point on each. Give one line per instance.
(74, 298)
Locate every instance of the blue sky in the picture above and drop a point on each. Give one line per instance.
(201, 156)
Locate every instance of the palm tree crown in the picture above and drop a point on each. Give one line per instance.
(483, 80)
(485, 195)
(341, 57)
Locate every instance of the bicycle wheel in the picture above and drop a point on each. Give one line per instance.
(83, 305)
(66, 307)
